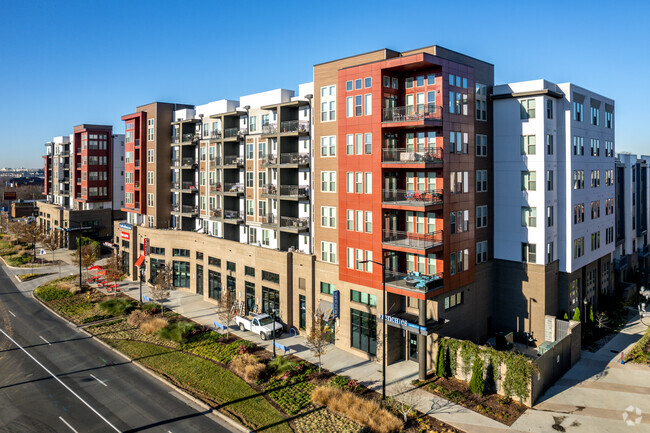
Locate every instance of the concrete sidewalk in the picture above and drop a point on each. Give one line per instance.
(337, 361)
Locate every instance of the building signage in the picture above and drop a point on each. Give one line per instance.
(146, 246)
(126, 226)
(336, 304)
(126, 235)
(404, 324)
(9, 195)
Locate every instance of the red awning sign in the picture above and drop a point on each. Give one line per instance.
(126, 235)
(138, 262)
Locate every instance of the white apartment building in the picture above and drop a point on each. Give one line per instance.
(554, 191)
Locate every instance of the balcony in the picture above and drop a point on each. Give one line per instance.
(270, 129)
(66, 166)
(216, 213)
(233, 216)
(408, 198)
(269, 190)
(189, 138)
(137, 142)
(211, 135)
(620, 263)
(428, 155)
(78, 165)
(269, 160)
(412, 115)
(414, 281)
(233, 133)
(136, 205)
(294, 159)
(294, 126)
(184, 162)
(644, 251)
(400, 240)
(185, 209)
(294, 224)
(233, 161)
(137, 163)
(137, 184)
(267, 220)
(294, 191)
(215, 187)
(233, 188)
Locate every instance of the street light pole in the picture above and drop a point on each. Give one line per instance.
(273, 332)
(79, 257)
(383, 338)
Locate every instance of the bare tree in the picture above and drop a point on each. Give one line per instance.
(319, 337)
(113, 268)
(51, 242)
(405, 399)
(87, 254)
(601, 322)
(227, 303)
(163, 284)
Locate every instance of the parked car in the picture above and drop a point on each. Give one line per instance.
(262, 324)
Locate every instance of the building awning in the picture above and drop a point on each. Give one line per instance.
(325, 307)
(138, 262)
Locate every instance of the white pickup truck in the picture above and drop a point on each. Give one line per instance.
(262, 324)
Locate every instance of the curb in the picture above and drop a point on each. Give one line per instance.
(211, 411)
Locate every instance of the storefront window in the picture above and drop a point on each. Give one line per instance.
(364, 331)
(181, 274)
(270, 300)
(214, 285)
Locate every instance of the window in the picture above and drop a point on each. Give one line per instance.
(578, 247)
(181, 274)
(577, 111)
(270, 300)
(595, 147)
(609, 206)
(363, 298)
(348, 85)
(549, 180)
(350, 258)
(328, 103)
(328, 145)
(595, 241)
(595, 178)
(271, 277)
(326, 288)
(358, 105)
(528, 144)
(157, 251)
(150, 155)
(527, 109)
(481, 252)
(150, 178)
(528, 217)
(528, 181)
(578, 146)
(609, 177)
(368, 143)
(358, 143)
(480, 98)
(349, 182)
(595, 209)
(150, 199)
(578, 179)
(248, 271)
(481, 216)
(368, 104)
(328, 252)
(459, 182)
(176, 252)
(368, 226)
(453, 300)
(363, 334)
(350, 219)
(328, 216)
(481, 145)
(328, 181)
(609, 119)
(231, 266)
(609, 148)
(578, 213)
(549, 109)
(358, 184)
(481, 181)
(609, 235)
(359, 218)
(250, 180)
(357, 84)
(349, 106)
(549, 252)
(253, 123)
(368, 183)
(386, 81)
(595, 116)
(549, 216)
(528, 253)
(250, 208)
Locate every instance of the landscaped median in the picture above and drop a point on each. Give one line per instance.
(234, 376)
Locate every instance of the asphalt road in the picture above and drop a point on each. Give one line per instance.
(61, 380)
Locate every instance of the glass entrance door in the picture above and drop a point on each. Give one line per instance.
(413, 346)
(199, 279)
(250, 296)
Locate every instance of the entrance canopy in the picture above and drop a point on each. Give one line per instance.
(138, 262)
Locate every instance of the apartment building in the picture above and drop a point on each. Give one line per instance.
(83, 183)
(554, 201)
(632, 215)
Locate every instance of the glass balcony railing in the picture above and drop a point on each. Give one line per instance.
(403, 197)
(233, 160)
(301, 126)
(414, 280)
(186, 209)
(233, 215)
(211, 135)
(269, 190)
(422, 155)
(412, 113)
(233, 132)
(294, 222)
(419, 241)
(269, 159)
(271, 128)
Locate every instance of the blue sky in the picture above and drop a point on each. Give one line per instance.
(68, 62)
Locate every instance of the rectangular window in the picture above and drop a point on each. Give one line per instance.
(549, 109)
(528, 144)
(528, 253)
(328, 146)
(181, 274)
(271, 277)
(328, 252)
(248, 271)
(368, 227)
(358, 84)
(349, 182)
(368, 143)
(549, 180)
(350, 258)
(358, 183)
(595, 116)
(350, 219)
(481, 181)
(348, 85)
(528, 181)
(549, 253)
(368, 104)
(528, 217)
(328, 181)
(177, 252)
(481, 216)
(481, 145)
(609, 119)
(481, 252)
(595, 147)
(549, 216)
(527, 109)
(270, 300)
(549, 144)
(358, 143)
(358, 105)
(328, 216)
(327, 288)
(231, 266)
(349, 106)
(368, 183)
(363, 332)
(213, 261)
(577, 111)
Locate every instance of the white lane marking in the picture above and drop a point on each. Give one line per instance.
(59, 380)
(93, 376)
(48, 343)
(11, 313)
(69, 426)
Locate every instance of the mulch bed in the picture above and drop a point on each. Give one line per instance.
(494, 406)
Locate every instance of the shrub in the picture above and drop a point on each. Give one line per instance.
(50, 293)
(137, 317)
(150, 308)
(247, 366)
(154, 325)
(281, 364)
(476, 383)
(118, 307)
(365, 412)
(177, 331)
(340, 382)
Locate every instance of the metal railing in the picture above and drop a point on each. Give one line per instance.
(188, 185)
(271, 128)
(269, 190)
(211, 134)
(425, 155)
(216, 187)
(414, 280)
(294, 158)
(233, 187)
(270, 159)
(412, 198)
(233, 215)
(294, 126)
(188, 138)
(233, 132)
(216, 213)
(267, 219)
(137, 142)
(293, 191)
(185, 209)
(412, 113)
(299, 223)
(412, 240)
(137, 184)
(137, 163)
(235, 160)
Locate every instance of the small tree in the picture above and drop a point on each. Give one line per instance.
(601, 322)
(319, 336)
(441, 361)
(113, 268)
(566, 316)
(226, 303)
(87, 256)
(576, 315)
(477, 383)
(591, 314)
(51, 242)
(162, 285)
(405, 399)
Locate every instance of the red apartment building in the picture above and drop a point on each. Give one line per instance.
(93, 145)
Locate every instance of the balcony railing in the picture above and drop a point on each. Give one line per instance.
(270, 159)
(137, 163)
(293, 222)
(188, 138)
(137, 142)
(233, 187)
(235, 160)
(420, 241)
(233, 132)
(66, 166)
(211, 134)
(216, 213)
(189, 209)
(294, 126)
(414, 280)
(294, 158)
(267, 219)
(293, 191)
(233, 215)
(136, 205)
(269, 190)
(137, 184)
(271, 128)
(425, 155)
(189, 185)
(216, 187)
(404, 197)
(620, 263)
(412, 113)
